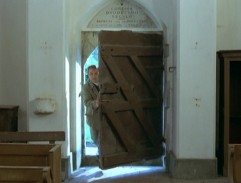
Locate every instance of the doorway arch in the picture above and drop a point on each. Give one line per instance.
(116, 15)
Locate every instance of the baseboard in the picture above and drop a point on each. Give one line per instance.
(191, 168)
(65, 167)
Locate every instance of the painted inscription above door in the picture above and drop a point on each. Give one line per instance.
(122, 14)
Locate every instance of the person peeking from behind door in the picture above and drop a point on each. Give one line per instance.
(90, 96)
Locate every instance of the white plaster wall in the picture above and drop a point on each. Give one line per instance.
(196, 79)
(13, 68)
(46, 65)
(228, 25)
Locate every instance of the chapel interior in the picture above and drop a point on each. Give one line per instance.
(178, 59)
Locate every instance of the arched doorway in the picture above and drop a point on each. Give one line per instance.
(118, 15)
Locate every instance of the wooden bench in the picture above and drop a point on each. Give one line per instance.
(237, 164)
(21, 154)
(25, 174)
(50, 136)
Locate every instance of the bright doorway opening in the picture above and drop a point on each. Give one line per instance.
(90, 148)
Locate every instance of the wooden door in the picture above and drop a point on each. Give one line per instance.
(228, 108)
(131, 82)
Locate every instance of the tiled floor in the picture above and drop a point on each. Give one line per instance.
(132, 174)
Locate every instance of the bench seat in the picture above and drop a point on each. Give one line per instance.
(25, 174)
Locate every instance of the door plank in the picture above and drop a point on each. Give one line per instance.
(146, 77)
(118, 50)
(133, 102)
(126, 140)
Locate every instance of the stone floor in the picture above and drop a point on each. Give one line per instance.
(132, 174)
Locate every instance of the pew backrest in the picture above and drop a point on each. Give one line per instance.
(18, 154)
(237, 164)
(50, 136)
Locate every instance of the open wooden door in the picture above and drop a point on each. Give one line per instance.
(131, 76)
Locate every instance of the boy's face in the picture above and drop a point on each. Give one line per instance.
(94, 75)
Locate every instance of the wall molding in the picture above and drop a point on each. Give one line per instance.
(191, 168)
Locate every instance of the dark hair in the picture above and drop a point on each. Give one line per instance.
(91, 67)
(87, 71)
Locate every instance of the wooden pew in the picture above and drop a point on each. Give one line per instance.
(21, 154)
(25, 174)
(50, 136)
(237, 164)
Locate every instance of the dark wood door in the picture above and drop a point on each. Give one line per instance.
(228, 107)
(131, 82)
